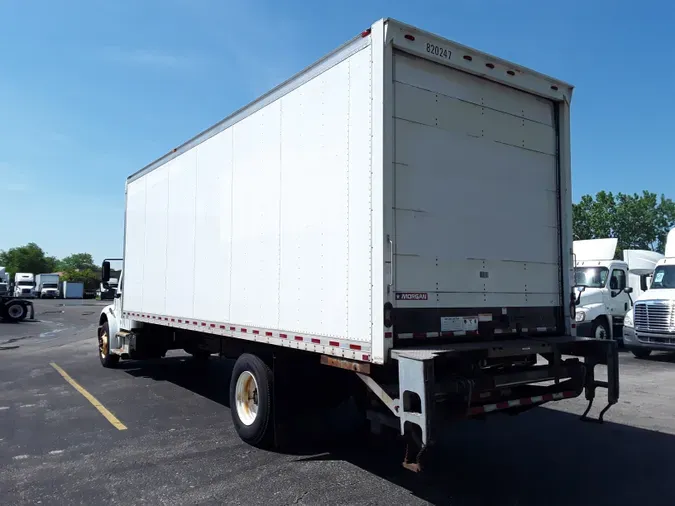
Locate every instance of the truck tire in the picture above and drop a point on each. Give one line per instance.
(641, 353)
(15, 311)
(251, 403)
(107, 359)
(600, 329)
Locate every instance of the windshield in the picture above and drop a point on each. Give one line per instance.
(664, 277)
(25, 283)
(591, 277)
(49, 285)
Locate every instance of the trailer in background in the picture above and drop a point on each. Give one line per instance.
(72, 290)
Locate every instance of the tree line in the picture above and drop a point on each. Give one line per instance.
(636, 221)
(78, 267)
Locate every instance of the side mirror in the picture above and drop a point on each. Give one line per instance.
(644, 283)
(628, 289)
(105, 272)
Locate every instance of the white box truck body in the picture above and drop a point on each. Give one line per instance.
(403, 198)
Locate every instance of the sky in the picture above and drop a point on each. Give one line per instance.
(93, 90)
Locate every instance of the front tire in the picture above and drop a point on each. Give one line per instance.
(641, 353)
(600, 329)
(251, 401)
(107, 359)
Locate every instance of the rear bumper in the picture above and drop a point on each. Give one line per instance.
(449, 390)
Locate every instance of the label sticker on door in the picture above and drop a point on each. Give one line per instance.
(412, 296)
(459, 323)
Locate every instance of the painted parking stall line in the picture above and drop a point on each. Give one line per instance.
(114, 421)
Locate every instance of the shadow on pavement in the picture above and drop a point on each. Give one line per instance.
(540, 458)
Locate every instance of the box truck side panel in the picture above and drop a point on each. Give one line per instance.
(213, 243)
(476, 207)
(266, 224)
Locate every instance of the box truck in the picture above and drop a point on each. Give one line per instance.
(47, 286)
(391, 224)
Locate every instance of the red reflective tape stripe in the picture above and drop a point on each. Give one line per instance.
(355, 347)
(388, 335)
(256, 332)
(268, 334)
(316, 341)
(173, 319)
(283, 336)
(244, 330)
(213, 325)
(334, 343)
(526, 401)
(365, 357)
(222, 326)
(203, 324)
(298, 338)
(180, 321)
(447, 334)
(502, 405)
(233, 328)
(419, 335)
(547, 397)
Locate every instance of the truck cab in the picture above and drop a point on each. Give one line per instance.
(23, 284)
(650, 325)
(603, 285)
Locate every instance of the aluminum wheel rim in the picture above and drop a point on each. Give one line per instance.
(600, 332)
(247, 398)
(15, 311)
(103, 344)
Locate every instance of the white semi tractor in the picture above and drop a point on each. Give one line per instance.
(24, 282)
(605, 285)
(650, 325)
(361, 224)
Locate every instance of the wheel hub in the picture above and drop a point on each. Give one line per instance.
(247, 398)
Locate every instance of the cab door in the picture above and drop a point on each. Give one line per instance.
(619, 300)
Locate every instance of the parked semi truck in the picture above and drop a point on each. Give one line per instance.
(4, 281)
(23, 284)
(650, 325)
(361, 222)
(604, 285)
(47, 286)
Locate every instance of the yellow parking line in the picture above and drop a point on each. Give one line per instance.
(102, 409)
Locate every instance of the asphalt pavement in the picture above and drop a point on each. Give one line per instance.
(174, 442)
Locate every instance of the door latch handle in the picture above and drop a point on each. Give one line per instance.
(391, 260)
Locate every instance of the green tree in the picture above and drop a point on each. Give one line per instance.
(77, 262)
(28, 258)
(90, 277)
(637, 221)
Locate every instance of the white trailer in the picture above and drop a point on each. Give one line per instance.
(400, 211)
